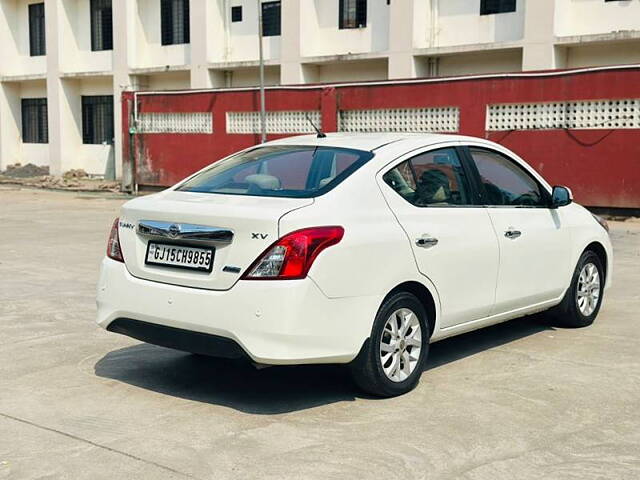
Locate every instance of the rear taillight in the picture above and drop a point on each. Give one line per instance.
(113, 244)
(291, 257)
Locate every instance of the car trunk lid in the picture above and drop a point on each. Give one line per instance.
(237, 227)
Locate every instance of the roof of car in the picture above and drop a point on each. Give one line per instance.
(368, 141)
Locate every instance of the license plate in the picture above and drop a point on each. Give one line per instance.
(180, 256)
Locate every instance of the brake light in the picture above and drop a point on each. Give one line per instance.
(291, 257)
(113, 244)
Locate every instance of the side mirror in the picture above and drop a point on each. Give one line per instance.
(561, 196)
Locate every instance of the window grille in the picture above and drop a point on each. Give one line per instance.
(276, 122)
(353, 14)
(37, 35)
(491, 7)
(416, 120)
(101, 25)
(271, 19)
(176, 122)
(34, 120)
(236, 14)
(97, 119)
(588, 114)
(174, 22)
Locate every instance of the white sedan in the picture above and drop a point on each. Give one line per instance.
(351, 248)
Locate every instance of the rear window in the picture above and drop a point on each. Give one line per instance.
(279, 171)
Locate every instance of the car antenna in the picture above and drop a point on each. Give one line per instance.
(320, 133)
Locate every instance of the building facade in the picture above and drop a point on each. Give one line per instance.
(65, 63)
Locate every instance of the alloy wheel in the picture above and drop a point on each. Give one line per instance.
(400, 345)
(588, 292)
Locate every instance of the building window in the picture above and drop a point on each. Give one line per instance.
(37, 37)
(101, 25)
(174, 20)
(353, 14)
(97, 119)
(236, 14)
(490, 7)
(270, 19)
(34, 120)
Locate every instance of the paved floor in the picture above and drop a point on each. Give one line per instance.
(515, 401)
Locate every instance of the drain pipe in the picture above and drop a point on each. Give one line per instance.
(263, 114)
(433, 23)
(432, 63)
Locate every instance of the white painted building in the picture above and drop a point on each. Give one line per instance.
(81, 54)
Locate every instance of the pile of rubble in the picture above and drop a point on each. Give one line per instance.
(75, 180)
(26, 171)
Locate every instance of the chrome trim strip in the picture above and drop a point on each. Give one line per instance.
(184, 231)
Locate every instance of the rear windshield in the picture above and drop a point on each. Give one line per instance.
(279, 171)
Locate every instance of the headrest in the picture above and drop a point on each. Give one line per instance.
(434, 187)
(263, 181)
(325, 181)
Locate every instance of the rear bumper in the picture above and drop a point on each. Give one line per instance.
(186, 340)
(272, 322)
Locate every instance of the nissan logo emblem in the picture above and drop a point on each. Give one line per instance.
(174, 230)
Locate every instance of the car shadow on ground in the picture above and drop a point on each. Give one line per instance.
(278, 389)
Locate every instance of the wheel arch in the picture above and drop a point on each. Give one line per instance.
(599, 249)
(424, 295)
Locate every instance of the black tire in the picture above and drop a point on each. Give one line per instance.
(567, 313)
(367, 369)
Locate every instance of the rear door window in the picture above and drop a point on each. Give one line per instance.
(279, 171)
(434, 178)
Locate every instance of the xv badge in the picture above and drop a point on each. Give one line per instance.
(259, 236)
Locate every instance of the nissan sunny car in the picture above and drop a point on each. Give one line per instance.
(359, 249)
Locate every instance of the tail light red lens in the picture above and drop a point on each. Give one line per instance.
(291, 257)
(113, 244)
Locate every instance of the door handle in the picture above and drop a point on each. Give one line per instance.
(512, 234)
(426, 241)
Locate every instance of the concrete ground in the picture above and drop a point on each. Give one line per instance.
(516, 401)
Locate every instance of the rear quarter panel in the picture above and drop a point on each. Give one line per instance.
(374, 255)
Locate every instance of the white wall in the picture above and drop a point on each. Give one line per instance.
(321, 35)
(92, 158)
(149, 51)
(78, 56)
(584, 17)
(480, 62)
(603, 54)
(10, 141)
(167, 81)
(15, 54)
(36, 153)
(347, 71)
(12, 149)
(243, 37)
(250, 77)
(459, 23)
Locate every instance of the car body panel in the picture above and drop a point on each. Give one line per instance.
(327, 316)
(243, 215)
(526, 262)
(465, 258)
(262, 317)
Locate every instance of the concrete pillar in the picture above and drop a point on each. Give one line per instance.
(10, 124)
(539, 51)
(291, 68)
(124, 51)
(10, 111)
(401, 20)
(202, 29)
(60, 120)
